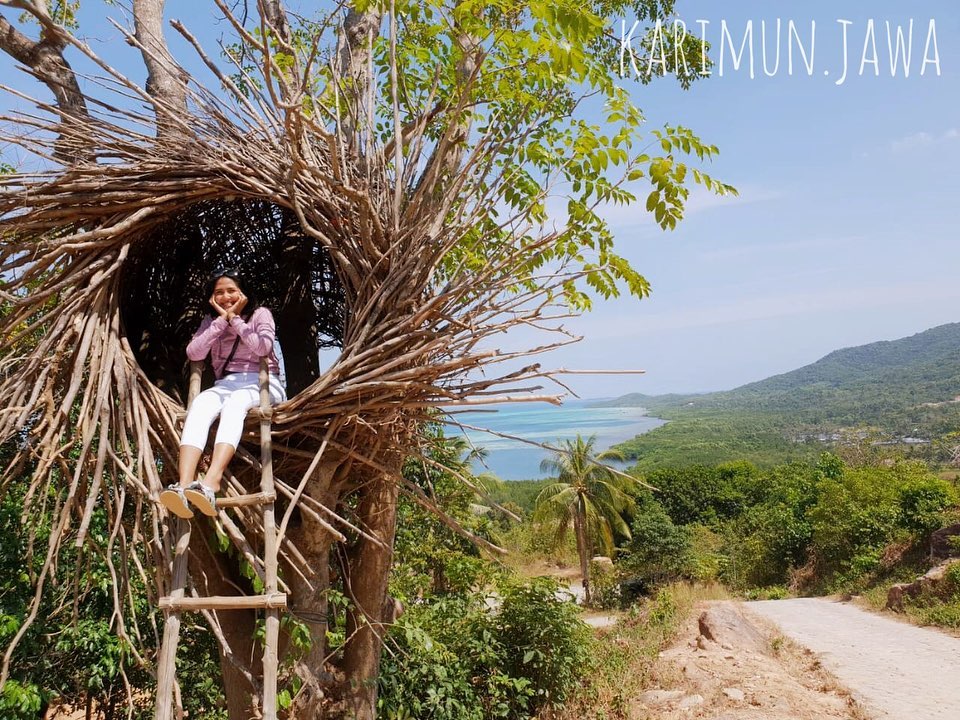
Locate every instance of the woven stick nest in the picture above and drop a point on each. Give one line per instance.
(103, 261)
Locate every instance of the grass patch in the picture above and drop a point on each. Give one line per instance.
(940, 609)
(944, 614)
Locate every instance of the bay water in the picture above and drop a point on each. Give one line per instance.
(511, 459)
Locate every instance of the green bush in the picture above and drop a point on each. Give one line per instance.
(20, 701)
(858, 514)
(544, 640)
(604, 586)
(706, 558)
(456, 658)
(442, 663)
(772, 592)
(659, 551)
(952, 578)
(922, 504)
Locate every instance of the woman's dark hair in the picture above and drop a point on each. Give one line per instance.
(252, 301)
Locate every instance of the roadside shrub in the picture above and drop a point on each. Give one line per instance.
(853, 515)
(864, 511)
(941, 606)
(457, 658)
(952, 578)
(772, 592)
(659, 552)
(442, 662)
(543, 639)
(605, 590)
(923, 503)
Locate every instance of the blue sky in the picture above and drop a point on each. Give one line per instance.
(844, 231)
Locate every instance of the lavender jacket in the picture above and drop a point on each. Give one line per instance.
(216, 337)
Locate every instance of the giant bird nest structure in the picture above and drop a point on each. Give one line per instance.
(104, 253)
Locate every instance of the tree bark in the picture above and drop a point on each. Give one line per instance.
(309, 598)
(354, 48)
(583, 549)
(164, 81)
(276, 17)
(213, 576)
(369, 571)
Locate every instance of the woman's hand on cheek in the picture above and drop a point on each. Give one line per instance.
(220, 311)
(238, 307)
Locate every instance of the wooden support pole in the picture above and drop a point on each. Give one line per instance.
(196, 377)
(271, 661)
(167, 660)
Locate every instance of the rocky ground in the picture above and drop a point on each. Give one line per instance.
(728, 664)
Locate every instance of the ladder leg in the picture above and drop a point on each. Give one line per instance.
(271, 660)
(166, 663)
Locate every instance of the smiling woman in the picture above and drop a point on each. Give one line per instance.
(168, 285)
(236, 338)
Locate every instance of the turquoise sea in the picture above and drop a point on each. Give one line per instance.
(515, 460)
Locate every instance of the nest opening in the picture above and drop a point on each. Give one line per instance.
(164, 279)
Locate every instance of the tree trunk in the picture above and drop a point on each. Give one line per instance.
(165, 85)
(583, 548)
(242, 703)
(309, 599)
(46, 59)
(354, 50)
(213, 576)
(369, 571)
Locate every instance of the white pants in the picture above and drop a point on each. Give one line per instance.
(230, 398)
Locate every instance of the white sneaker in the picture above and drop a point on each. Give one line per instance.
(202, 498)
(173, 499)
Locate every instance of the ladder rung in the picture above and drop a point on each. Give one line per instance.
(225, 602)
(244, 500)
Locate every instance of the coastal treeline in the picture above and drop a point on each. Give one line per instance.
(886, 399)
(804, 527)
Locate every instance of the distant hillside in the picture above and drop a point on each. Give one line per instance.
(902, 387)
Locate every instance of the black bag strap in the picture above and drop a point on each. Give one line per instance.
(226, 362)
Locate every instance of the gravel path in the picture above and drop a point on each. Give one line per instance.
(896, 671)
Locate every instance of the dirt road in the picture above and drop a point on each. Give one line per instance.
(896, 671)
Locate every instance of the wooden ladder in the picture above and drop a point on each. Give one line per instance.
(271, 601)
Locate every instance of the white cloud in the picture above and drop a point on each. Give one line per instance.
(701, 199)
(777, 306)
(922, 139)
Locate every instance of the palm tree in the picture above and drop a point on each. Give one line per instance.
(588, 494)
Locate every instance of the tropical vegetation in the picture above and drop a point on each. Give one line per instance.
(588, 495)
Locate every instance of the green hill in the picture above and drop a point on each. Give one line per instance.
(901, 388)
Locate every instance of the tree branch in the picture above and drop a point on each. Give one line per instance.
(45, 59)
